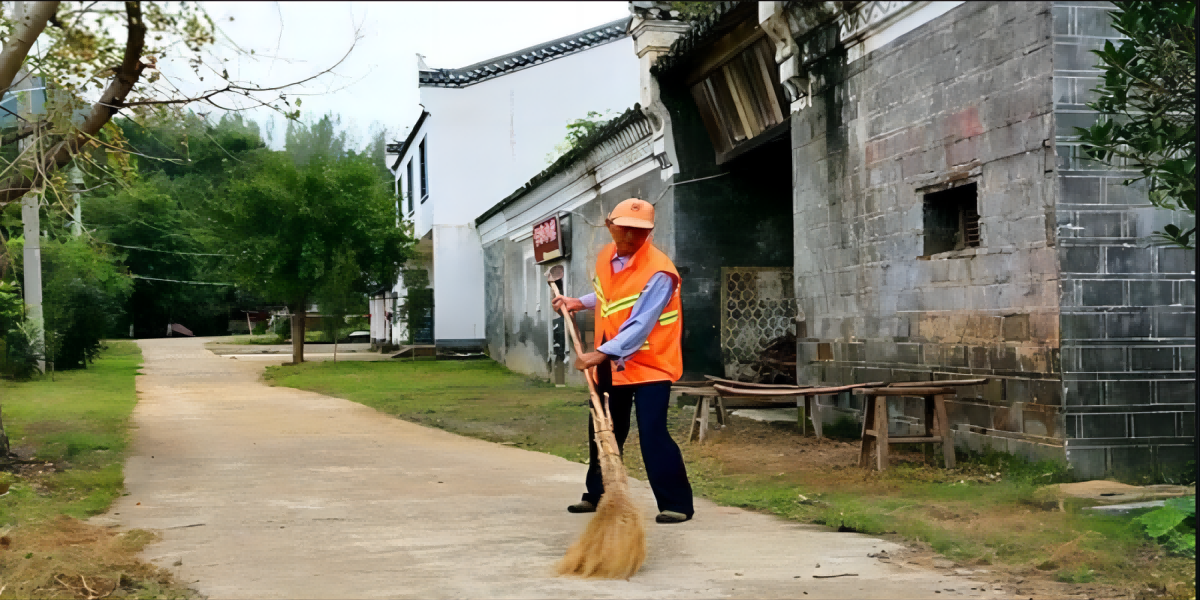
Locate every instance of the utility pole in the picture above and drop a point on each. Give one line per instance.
(76, 183)
(23, 88)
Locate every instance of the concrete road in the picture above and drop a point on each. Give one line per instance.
(264, 492)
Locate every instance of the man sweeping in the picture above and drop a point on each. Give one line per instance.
(639, 331)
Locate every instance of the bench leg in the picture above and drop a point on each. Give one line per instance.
(722, 416)
(868, 442)
(703, 418)
(881, 433)
(944, 427)
(693, 431)
(931, 427)
(802, 414)
(817, 413)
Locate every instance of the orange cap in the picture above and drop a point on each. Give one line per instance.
(633, 213)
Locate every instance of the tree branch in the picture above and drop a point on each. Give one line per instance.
(17, 46)
(126, 76)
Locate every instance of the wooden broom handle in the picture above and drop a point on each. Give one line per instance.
(599, 414)
(570, 322)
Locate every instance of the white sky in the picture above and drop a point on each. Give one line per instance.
(378, 82)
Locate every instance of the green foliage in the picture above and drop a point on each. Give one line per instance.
(579, 130)
(1081, 574)
(1148, 106)
(312, 223)
(83, 292)
(418, 301)
(23, 350)
(1173, 525)
(154, 219)
(693, 11)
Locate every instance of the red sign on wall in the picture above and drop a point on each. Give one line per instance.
(547, 240)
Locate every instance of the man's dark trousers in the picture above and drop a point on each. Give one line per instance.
(664, 462)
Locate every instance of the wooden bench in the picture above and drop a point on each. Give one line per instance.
(807, 399)
(875, 438)
(708, 398)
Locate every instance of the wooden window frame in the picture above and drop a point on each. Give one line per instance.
(737, 94)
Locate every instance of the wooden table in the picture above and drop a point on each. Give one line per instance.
(875, 438)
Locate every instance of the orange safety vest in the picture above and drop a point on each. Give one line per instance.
(661, 357)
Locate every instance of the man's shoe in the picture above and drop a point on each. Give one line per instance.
(583, 506)
(670, 516)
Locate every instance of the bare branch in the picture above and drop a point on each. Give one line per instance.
(126, 76)
(24, 34)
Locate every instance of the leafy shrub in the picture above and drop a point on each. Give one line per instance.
(1173, 525)
(23, 350)
(845, 427)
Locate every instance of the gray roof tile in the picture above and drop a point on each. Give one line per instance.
(526, 57)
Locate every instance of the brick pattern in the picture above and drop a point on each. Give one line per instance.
(1128, 308)
(966, 97)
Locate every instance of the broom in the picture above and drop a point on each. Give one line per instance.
(613, 545)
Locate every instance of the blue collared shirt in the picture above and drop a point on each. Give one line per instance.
(642, 318)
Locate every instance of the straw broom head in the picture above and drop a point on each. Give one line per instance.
(613, 546)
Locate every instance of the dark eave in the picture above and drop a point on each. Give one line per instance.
(725, 16)
(400, 149)
(565, 161)
(521, 59)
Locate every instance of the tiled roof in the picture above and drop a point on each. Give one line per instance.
(565, 161)
(528, 57)
(702, 32)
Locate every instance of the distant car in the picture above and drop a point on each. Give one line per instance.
(359, 337)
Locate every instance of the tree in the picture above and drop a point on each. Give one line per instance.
(78, 56)
(304, 232)
(84, 291)
(1147, 103)
(150, 220)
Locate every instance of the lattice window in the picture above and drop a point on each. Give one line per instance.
(758, 306)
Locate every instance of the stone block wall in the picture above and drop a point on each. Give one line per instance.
(1128, 307)
(965, 98)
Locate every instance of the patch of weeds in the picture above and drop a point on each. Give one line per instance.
(1082, 574)
(1173, 525)
(845, 428)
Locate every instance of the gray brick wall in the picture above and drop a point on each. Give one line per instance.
(968, 95)
(1128, 308)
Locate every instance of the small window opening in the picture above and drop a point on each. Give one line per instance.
(424, 172)
(952, 219)
(410, 187)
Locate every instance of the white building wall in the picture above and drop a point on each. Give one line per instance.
(458, 295)
(487, 140)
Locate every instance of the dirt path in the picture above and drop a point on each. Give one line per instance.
(264, 492)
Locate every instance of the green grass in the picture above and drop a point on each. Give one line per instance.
(985, 512)
(267, 339)
(77, 428)
(79, 421)
(477, 398)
